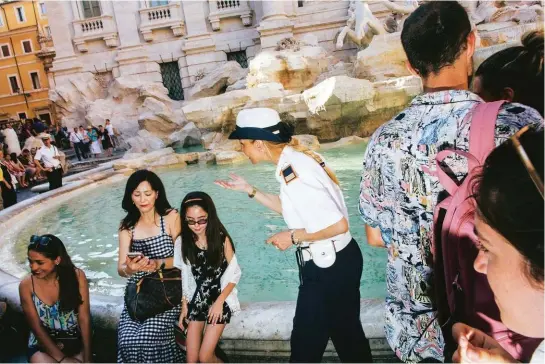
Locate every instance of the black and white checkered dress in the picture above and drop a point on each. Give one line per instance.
(151, 341)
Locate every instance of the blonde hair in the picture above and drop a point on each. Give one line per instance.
(294, 143)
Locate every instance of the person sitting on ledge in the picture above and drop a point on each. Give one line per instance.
(55, 301)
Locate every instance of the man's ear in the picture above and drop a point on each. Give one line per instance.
(508, 94)
(411, 69)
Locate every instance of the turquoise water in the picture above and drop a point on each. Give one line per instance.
(88, 226)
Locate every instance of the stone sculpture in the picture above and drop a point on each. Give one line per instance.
(362, 25)
(505, 11)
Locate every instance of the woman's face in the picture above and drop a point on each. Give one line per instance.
(40, 265)
(519, 299)
(254, 150)
(144, 197)
(197, 219)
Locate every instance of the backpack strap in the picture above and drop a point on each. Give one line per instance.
(481, 131)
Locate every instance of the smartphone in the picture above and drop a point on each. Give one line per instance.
(134, 254)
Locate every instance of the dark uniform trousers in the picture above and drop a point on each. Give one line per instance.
(54, 178)
(328, 306)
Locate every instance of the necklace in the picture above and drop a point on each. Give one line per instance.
(201, 245)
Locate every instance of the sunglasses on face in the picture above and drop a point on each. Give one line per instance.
(198, 222)
(36, 240)
(526, 160)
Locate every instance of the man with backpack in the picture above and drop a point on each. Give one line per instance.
(400, 187)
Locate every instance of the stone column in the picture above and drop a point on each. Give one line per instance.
(132, 57)
(200, 48)
(66, 62)
(275, 24)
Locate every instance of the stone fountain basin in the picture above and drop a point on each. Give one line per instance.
(261, 332)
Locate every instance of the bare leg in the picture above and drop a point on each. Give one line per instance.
(193, 342)
(40, 357)
(208, 347)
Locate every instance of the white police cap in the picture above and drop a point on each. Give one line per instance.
(261, 124)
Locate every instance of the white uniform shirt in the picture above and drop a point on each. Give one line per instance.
(310, 199)
(45, 155)
(110, 129)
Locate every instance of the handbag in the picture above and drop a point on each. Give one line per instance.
(154, 294)
(68, 341)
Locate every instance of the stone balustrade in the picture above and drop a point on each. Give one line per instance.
(96, 28)
(160, 17)
(222, 9)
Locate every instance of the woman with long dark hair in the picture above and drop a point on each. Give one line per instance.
(146, 244)
(209, 275)
(55, 301)
(509, 222)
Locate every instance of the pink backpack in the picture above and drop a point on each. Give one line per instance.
(464, 294)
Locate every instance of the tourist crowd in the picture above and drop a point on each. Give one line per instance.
(45, 160)
(452, 187)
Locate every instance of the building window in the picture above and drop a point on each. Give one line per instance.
(35, 80)
(14, 84)
(42, 9)
(240, 57)
(20, 14)
(47, 31)
(91, 9)
(153, 3)
(21, 115)
(27, 46)
(46, 118)
(5, 50)
(171, 80)
(300, 3)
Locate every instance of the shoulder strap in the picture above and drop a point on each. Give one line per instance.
(482, 131)
(162, 225)
(32, 280)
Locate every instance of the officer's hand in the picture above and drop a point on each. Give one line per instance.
(281, 240)
(236, 183)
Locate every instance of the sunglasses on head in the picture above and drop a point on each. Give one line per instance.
(526, 160)
(198, 222)
(38, 240)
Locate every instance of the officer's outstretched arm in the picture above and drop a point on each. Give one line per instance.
(338, 228)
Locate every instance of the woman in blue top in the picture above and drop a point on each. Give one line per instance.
(55, 301)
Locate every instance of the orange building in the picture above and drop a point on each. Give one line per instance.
(26, 53)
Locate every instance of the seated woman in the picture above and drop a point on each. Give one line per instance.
(30, 167)
(509, 224)
(514, 74)
(16, 169)
(146, 244)
(55, 301)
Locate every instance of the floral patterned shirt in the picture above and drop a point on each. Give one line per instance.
(399, 198)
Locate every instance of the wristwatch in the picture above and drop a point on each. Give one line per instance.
(294, 240)
(252, 194)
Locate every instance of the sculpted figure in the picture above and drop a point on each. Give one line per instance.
(363, 25)
(505, 11)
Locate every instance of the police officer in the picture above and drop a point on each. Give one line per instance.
(329, 259)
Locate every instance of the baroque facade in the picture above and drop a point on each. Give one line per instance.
(178, 42)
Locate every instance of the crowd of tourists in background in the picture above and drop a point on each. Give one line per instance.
(452, 187)
(44, 159)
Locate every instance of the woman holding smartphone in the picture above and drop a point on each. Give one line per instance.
(146, 244)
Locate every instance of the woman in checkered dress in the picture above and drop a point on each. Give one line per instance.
(150, 228)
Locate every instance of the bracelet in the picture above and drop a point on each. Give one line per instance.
(294, 240)
(252, 194)
(124, 269)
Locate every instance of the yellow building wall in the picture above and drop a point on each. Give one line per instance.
(33, 102)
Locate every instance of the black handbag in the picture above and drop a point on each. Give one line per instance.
(154, 294)
(69, 342)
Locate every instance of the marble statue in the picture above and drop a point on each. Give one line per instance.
(362, 25)
(505, 11)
